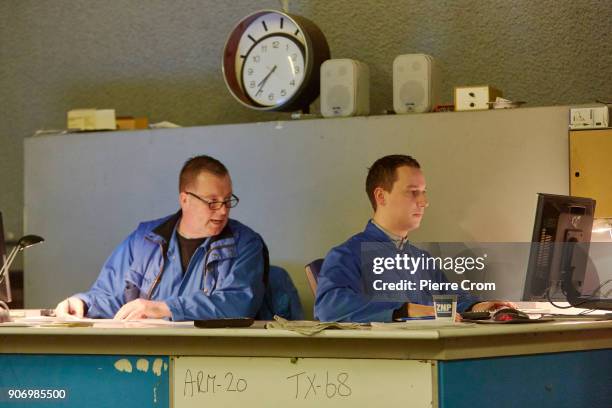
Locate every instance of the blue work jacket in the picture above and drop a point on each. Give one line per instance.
(340, 290)
(224, 277)
(281, 297)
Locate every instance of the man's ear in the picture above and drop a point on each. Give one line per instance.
(183, 198)
(379, 196)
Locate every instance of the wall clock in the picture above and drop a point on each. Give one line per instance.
(272, 59)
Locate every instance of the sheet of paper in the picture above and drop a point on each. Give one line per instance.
(71, 321)
(418, 325)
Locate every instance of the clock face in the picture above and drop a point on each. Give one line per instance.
(273, 69)
(271, 61)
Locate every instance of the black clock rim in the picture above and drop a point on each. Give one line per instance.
(318, 48)
(307, 71)
(317, 51)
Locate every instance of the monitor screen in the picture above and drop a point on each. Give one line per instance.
(559, 249)
(5, 285)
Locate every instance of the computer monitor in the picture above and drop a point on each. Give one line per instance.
(559, 249)
(5, 284)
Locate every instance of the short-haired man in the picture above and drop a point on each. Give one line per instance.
(396, 188)
(195, 264)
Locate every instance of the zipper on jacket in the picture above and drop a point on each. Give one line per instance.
(203, 281)
(161, 272)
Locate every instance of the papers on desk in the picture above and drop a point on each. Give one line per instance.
(418, 325)
(71, 321)
(309, 327)
(45, 321)
(140, 323)
(14, 324)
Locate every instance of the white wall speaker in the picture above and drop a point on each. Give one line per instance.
(415, 83)
(345, 88)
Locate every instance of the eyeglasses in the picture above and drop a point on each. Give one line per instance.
(216, 205)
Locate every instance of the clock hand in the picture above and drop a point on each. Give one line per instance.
(263, 81)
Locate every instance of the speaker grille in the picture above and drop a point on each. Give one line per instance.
(412, 94)
(338, 97)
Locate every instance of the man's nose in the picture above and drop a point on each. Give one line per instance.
(223, 210)
(423, 201)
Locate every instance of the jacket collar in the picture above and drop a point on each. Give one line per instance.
(166, 229)
(399, 242)
(373, 233)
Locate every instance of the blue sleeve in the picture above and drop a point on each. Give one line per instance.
(238, 293)
(340, 292)
(105, 297)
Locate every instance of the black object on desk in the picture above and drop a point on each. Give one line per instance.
(476, 315)
(509, 314)
(224, 323)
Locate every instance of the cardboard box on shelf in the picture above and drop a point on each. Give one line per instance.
(131, 123)
(475, 97)
(91, 119)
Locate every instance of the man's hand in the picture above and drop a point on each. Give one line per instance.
(143, 309)
(73, 306)
(416, 310)
(492, 305)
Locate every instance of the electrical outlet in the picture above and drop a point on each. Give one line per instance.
(582, 117)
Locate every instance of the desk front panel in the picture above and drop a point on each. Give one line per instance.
(581, 379)
(301, 382)
(91, 381)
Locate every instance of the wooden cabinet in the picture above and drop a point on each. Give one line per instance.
(591, 167)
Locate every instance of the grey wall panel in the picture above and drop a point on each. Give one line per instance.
(301, 184)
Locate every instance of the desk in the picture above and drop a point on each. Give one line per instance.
(560, 364)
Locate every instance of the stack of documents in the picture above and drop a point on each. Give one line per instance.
(309, 327)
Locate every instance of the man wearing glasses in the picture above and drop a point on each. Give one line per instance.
(195, 264)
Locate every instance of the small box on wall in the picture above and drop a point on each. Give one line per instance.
(91, 119)
(589, 117)
(469, 98)
(131, 123)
